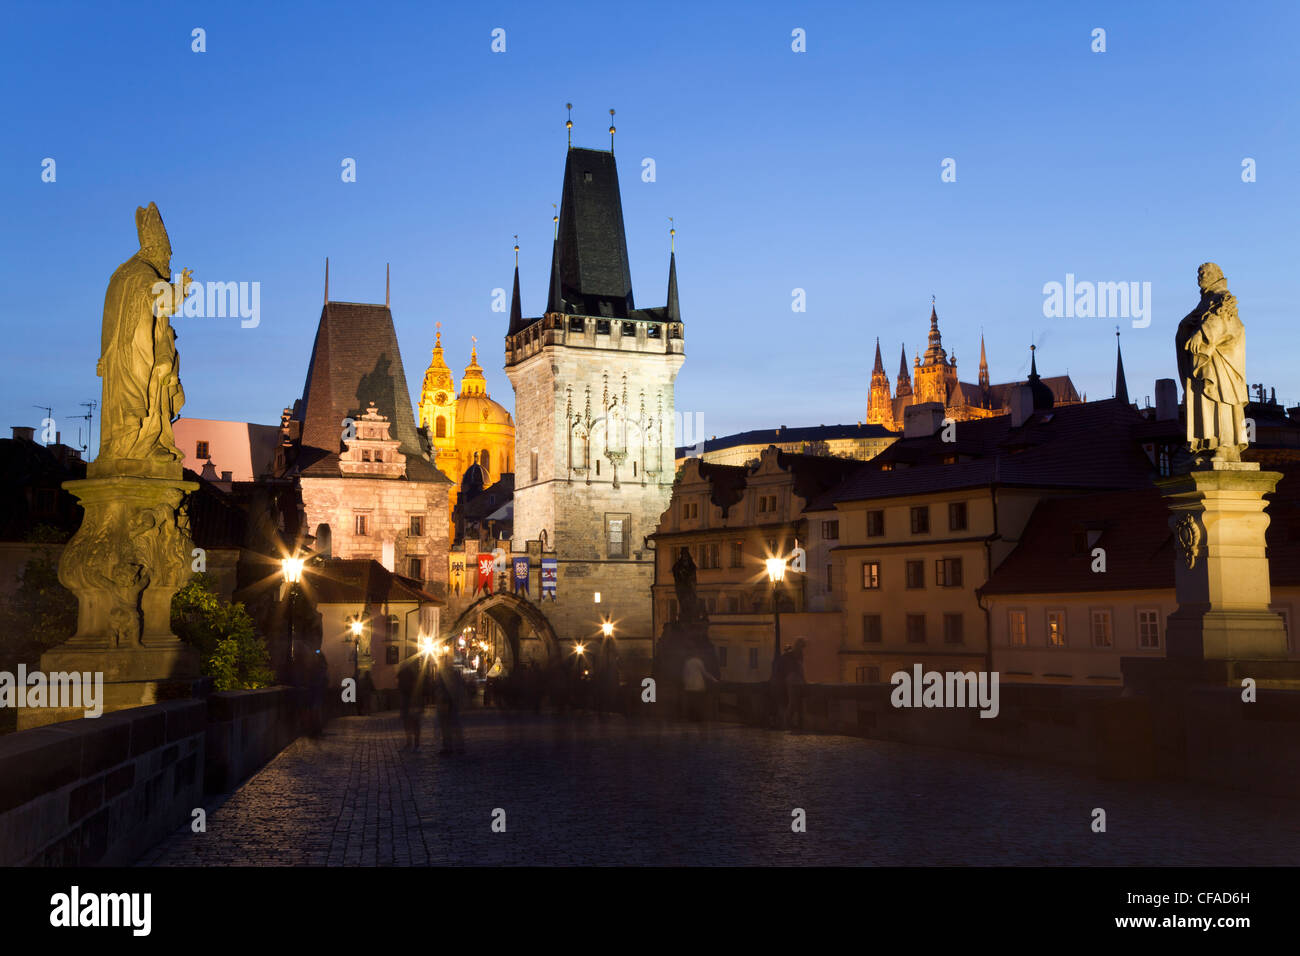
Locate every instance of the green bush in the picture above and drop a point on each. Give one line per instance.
(233, 654)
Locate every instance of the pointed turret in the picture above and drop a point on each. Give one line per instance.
(934, 354)
(553, 301)
(1121, 385)
(673, 311)
(516, 308)
(879, 367)
(984, 365)
(904, 379)
(880, 407)
(473, 382)
(1043, 397)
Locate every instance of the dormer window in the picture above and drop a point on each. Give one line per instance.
(586, 176)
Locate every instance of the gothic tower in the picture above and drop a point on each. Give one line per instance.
(594, 400)
(880, 407)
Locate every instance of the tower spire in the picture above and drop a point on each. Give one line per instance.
(984, 364)
(673, 310)
(611, 130)
(516, 306)
(327, 280)
(1121, 385)
(568, 123)
(904, 386)
(879, 367)
(388, 283)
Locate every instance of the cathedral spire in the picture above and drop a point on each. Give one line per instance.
(984, 365)
(388, 283)
(327, 280)
(934, 354)
(879, 367)
(904, 380)
(1121, 385)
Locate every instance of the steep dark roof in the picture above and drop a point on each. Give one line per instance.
(1077, 446)
(672, 311)
(1134, 531)
(361, 581)
(354, 361)
(815, 474)
(516, 307)
(595, 278)
(809, 433)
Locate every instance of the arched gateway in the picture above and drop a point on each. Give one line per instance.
(517, 621)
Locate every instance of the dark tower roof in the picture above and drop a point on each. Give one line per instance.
(879, 368)
(553, 301)
(594, 275)
(355, 361)
(1121, 385)
(516, 309)
(672, 311)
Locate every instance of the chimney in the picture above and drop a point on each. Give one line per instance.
(1022, 405)
(225, 476)
(22, 433)
(923, 420)
(1166, 400)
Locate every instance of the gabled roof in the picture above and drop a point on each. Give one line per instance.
(361, 581)
(355, 360)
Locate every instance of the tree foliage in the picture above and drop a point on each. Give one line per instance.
(233, 654)
(41, 613)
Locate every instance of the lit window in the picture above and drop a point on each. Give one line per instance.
(1016, 630)
(870, 575)
(1055, 628)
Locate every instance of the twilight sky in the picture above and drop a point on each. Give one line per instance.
(817, 170)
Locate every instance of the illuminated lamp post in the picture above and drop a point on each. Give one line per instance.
(776, 574)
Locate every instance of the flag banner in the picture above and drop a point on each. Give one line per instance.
(521, 574)
(550, 572)
(456, 577)
(485, 563)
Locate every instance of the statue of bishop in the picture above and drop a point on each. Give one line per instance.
(1211, 345)
(138, 361)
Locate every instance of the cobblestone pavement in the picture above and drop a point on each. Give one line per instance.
(579, 791)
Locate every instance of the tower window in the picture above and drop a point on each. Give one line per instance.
(586, 176)
(629, 328)
(532, 466)
(441, 427)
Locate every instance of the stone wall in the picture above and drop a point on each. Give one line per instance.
(100, 792)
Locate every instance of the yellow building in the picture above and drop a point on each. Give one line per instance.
(467, 428)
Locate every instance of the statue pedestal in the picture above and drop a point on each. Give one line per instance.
(132, 553)
(1221, 575)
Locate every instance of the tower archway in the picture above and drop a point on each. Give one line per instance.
(525, 631)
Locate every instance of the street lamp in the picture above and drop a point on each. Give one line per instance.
(607, 628)
(776, 574)
(356, 628)
(291, 571)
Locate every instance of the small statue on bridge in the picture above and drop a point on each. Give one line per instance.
(684, 579)
(1211, 343)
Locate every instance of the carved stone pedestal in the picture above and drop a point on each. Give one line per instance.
(1221, 578)
(132, 553)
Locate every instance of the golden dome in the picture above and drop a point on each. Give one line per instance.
(474, 410)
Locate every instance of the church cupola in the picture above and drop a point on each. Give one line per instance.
(473, 382)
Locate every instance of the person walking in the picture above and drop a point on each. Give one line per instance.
(450, 696)
(794, 686)
(695, 687)
(408, 682)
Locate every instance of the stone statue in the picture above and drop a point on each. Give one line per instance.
(684, 579)
(142, 392)
(1211, 344)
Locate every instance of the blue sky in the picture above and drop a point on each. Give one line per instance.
(817, 170)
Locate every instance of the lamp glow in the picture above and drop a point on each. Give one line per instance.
(775, 569)
(291, 568)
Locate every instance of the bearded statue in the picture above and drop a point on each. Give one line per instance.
(1211, 345)
(138, 362)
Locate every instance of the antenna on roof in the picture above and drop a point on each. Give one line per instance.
(568, 123)
(611, 130)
